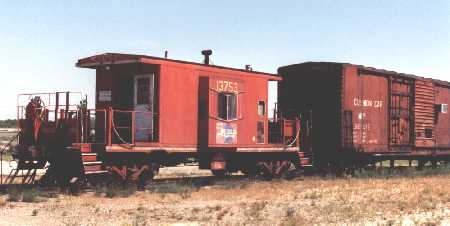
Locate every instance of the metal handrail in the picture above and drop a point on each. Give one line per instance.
(282, 123)
(132, 128)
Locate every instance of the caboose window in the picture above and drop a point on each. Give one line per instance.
(260, 132)
(227, 106)
(261, 108)
(143, 91)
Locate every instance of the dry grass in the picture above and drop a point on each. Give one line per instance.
(418, 200)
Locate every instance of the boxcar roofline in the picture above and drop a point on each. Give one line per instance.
(376, 71)
(117, 58)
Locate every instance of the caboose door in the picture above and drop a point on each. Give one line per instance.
(143, 107)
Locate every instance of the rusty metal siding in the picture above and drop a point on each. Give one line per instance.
(442, 118)
(400, 111)
(365, 107)
(381, 111)
(424, 113)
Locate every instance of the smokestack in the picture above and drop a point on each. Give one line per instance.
(206, 53)
(165, 54)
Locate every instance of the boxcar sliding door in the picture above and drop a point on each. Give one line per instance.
(400, 111)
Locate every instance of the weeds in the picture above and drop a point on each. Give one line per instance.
(255, 209)
(386, 172)
(141, 208)
(214, 208)
(313, 195)
(117, 191)
(139, 220)
(183, 189)
(30, 196)
(294, 221)
(48, 194)
(222, 214)
(233, 185)
(290, 212)
(14, 195)
(196, 210)
(99, 190)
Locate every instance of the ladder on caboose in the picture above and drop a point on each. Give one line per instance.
(26, 170)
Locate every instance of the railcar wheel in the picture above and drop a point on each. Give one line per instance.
(275, 169)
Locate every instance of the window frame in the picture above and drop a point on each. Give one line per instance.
(227, 106)
(264, 108)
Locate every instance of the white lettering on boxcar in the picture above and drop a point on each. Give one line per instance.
(367, 103)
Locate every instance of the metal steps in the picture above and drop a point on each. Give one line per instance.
(304, 161)
(91, 164)
(96, 172)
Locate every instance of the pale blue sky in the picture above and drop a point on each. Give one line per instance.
(40, 41)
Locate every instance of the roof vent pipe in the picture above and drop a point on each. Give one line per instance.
(206, 53)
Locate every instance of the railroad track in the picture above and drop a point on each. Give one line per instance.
(194, 181)
(199, 181)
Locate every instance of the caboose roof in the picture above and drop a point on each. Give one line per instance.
(373, 70)
(120, 58)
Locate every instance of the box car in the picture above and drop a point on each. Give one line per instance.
(377, 114)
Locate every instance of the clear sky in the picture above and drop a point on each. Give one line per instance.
(40, 41)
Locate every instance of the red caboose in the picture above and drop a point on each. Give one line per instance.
(152, 111)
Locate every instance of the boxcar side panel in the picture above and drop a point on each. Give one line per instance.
(443, 118)
(365, 108)
(424, 113)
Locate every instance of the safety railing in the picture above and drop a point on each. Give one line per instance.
(131, 127)
(56, 101)
(107, 126)
(92, 125)
(284, 131)
(84, 125)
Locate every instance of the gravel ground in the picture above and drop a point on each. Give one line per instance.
(406, 200)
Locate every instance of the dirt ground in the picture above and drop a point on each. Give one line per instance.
(403, 200)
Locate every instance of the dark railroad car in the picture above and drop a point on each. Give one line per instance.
(362, 114)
